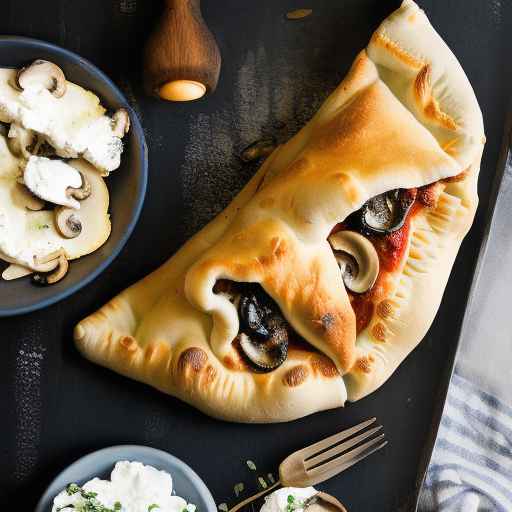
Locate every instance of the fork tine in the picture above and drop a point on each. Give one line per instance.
(343, 462)
(340, 448)
(313, 449)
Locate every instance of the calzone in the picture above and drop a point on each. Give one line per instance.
(328, 268)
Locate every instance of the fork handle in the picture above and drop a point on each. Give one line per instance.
(254, 497)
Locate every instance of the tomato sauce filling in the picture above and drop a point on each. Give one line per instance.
(390, 249)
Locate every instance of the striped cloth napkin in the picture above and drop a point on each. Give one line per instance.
(471, 466)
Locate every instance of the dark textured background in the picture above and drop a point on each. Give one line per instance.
(55, 406)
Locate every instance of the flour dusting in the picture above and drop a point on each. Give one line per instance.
(273, 96)
(29, 363)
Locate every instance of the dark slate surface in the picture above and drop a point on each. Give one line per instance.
(55, 406)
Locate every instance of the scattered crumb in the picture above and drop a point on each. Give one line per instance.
(251, 465)
(262, 482)
(298, 14)
(239, 488)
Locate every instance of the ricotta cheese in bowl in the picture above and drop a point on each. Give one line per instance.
(133, 487)
(57, 144)
(288, 499)
(301, 499)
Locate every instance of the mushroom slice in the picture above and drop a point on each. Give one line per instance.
(67, 221)
(120, 123)
(45, 74)
(357, 258)
(60, 269)
(386, 213)
(264, 336)
(264, 356)
(14, 271)
(48, 262)
(21, 142)
(252, 315)
(80, 193)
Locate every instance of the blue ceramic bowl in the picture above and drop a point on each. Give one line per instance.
(186, 483)
(127, 185)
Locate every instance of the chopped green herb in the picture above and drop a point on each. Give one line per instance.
(154, 505)
(239, 488)
(91, 503)
(293, 504)
(223, 507)
(251, 465)
(271, 479)
(262, 482)
(72, 489)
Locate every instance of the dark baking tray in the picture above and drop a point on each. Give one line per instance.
(55, 406)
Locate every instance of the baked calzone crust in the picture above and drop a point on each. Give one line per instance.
(329, 266)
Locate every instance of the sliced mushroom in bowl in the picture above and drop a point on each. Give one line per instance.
(64, 110)
(49, 120)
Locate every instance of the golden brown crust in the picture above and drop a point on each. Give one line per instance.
(386, 126)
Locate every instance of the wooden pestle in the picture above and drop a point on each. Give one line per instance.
(181, 58)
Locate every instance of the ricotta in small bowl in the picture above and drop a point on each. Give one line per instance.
(133, 487)
(288, 499)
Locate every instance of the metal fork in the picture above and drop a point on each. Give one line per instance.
(323, 460)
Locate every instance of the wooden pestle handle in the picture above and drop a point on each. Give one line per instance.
(181, 58)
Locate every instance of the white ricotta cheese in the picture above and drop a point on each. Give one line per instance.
(279, 500)
(75, 124)
(49, 180)
(133, 487)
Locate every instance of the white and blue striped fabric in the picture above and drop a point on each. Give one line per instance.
(471, 466)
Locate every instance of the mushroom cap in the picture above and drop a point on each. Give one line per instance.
(385, 213)
(67, 221)
(263, 356)
(363, 252)
(20, 140)
(42, 73)
(59, 270)
(263, 339)
(82, 192)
